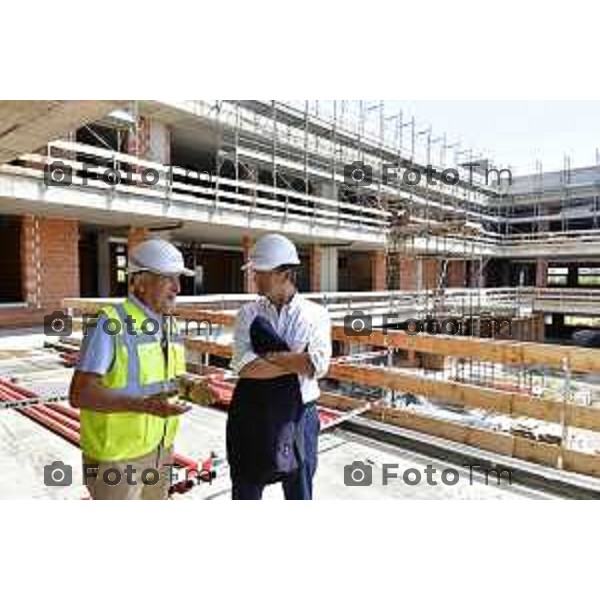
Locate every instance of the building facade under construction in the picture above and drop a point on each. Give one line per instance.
(393, 223)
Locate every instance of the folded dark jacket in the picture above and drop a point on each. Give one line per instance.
(264, 433)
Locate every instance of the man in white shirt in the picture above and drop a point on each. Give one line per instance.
(306, 328)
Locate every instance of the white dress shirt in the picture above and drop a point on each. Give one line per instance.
(299, 323)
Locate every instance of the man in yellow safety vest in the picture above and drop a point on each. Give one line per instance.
(126, 374)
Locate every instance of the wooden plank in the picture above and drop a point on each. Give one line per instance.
(449, 392)
(204, 347)
(340, 401)
(215, 317)
(462, 394)
(583, 360)
(580, 462)
(492, 441)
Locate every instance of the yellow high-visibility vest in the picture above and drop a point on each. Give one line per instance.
(138, 369)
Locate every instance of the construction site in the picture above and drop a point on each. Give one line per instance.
(464, 300)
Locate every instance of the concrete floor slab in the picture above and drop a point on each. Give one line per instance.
(26, 448)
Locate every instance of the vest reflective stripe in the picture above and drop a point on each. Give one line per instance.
(138, 369)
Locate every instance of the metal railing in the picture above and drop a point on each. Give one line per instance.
(117, 172)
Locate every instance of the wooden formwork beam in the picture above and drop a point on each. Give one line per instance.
(582, 360)
(472, 396)
(214, 317)
(204, 347)
(492, 441)
(507, 352)
(459, 394)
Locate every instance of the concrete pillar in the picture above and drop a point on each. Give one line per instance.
(505, 281)
(419, 275)
(138, 140)
(541, 273)
(378, 272)
(103, 253)
(326, 189)
(249, 284)
(474, 277)
(329, 269)
(573, 276)
(159, 143)
(315, 267)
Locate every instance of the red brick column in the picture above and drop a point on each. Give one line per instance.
(431, 273)
(541, 328)
(315, 268)
(49, 250)
(457, 273)
(249, 285)
(59, 242)
(408, 274)
(541, 273)
(378, 271)
(135, 236)
(31, 261)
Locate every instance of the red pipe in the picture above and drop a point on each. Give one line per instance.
(52, 425)
(65, 421)
(67, 411)
(16, 388)
(65, 424)
(7, 393)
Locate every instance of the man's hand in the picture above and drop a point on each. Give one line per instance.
(292, 362)
(262, 369)
(88, 392)
(160, 406)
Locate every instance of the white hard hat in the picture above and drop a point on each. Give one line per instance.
(271, 251)
(157, 256)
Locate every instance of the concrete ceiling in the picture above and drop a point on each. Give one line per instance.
(190, 231)
(26, 125)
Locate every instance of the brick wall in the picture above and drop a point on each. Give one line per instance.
(408, 273)
(49, 268)
(249, 285)
(541, 273)
(378, 271)
(457, 273)
(59, 243)
(431, 273)
(315, 268)
(135, 235)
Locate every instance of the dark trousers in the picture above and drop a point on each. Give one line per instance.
(298, 486)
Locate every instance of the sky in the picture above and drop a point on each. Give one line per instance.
(515, 133)
(512, 133)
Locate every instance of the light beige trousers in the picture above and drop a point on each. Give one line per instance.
(111, 481)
